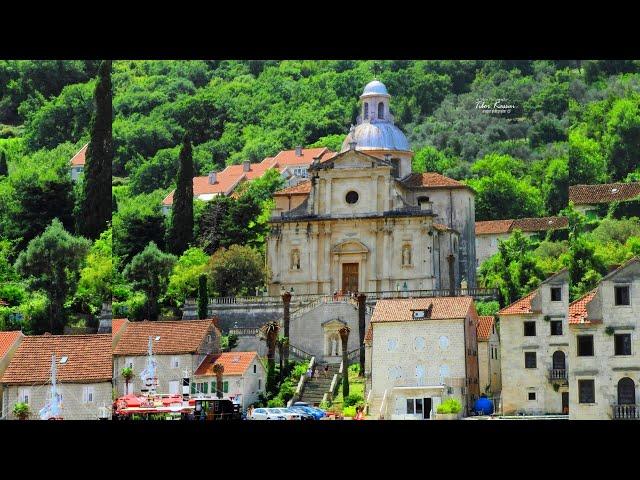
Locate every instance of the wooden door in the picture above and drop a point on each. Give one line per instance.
(349, 277)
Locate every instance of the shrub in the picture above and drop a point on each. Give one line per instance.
(355, 368)
(21, 410)
(299, 370)
(450, 405)
(349, 411)
(353, 399)
(287, 389)
(276, 402)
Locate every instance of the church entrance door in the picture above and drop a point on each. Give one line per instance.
(349, 277)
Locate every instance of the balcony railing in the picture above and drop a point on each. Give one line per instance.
(626, 412)
(558, 374)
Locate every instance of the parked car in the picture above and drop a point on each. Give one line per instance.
(308, 411)
(318, 411)
(287, 413)
(266, 414)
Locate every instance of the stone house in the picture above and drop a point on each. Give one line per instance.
(77, 163)
(488, 233)
(420, 351)
(365, 222)
(243, 380)
(604, 353)
(84, 374)
(292, 165)
(490, 375)
(534, 345)
(592, 200)
(9, 342)
(179, 347)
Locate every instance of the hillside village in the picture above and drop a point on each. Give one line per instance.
(339, 282)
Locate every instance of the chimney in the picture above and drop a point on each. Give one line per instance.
(246, 166)
(298, 151)
(352, 145)
(213, 177)
(452, 275)
(189, 310)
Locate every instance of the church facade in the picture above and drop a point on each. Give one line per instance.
(365, 222)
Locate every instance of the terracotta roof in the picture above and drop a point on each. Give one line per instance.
(368, 336)
(401, 309)
(117, 324)
(485, 325)
(289, 157)
(443, 228)
(89, 359)
(302, 188)
(604, 193)
(578, 309)
(234, 363)
(431, 180)
(520, 306)
(539, 224)
(180, 336)
(79, 158)
(7, 339)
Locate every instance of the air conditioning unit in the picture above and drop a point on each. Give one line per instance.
(418, 314)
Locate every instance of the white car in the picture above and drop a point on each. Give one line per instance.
(266, 414)
(287, 413)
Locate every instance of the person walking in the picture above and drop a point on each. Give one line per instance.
(326, 370)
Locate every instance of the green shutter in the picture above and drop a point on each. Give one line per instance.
(225, 387)
(193, 388)
(205, 387)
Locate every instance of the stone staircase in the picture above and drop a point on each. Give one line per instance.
(315, 388)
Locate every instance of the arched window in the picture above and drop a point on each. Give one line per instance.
(381, 110)
(626, 392)
(558, 360)
(366, 110)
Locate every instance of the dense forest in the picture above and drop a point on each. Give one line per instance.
(570, 122)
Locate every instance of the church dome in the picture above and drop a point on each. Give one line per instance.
(374, 88)
(376, 136)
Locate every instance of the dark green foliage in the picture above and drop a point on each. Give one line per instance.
(180, 232)
(95, 201)
(149, 271)
(203, 296)
(4, 168)
(51, 263)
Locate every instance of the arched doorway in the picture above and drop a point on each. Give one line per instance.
(626, 392)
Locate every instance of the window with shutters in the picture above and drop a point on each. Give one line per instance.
(530, 360)
(88, 394)
(622, 343)
(586, 391)
(225, 387)
(622, 295)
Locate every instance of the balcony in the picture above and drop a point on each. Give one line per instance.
(626, 412)
(558, 375)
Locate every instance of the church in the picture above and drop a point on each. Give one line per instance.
(365, 222)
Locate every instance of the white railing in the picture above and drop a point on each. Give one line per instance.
(626, 412)
(301, 382)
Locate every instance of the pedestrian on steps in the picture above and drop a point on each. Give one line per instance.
(326, 370)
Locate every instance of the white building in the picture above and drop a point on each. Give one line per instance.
(77, 163)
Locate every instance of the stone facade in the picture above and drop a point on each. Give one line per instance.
(80, 401)
(612, 319)
(489, 363)
(536, 327)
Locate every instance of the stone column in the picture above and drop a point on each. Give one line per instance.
(362, 298)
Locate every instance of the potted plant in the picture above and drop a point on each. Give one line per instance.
(21, 410)
(449, 409)
(609, 330)
(127, 374)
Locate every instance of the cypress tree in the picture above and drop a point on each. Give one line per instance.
(4, 169)
(181, 230)
(203, 296)
(95, 204)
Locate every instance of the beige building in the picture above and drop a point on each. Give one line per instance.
(179, 347)
(9, 342)
(243, 380)
(365, 222)
(534, 344)
(591, 199)
(490, 232)
(419, 352)
(84, 370)
(490, 376)
(604, 353)
(76, 164)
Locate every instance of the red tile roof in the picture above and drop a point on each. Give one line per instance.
(368, 336)
(540, 224)
(89, 359)
(578, 309)
(302, 188)
(234, 363)
(117, 324)
(79, 158)
(180, 336)
(431, 180)
(7, 339)
(229, 178)
(603, 193)
(401, 309)
(485, 326)
(520, 306)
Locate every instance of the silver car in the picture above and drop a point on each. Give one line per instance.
(266, 414)
(287, 413)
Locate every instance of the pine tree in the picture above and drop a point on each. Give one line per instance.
(4, 169)
(94, 210)
(181, 230)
